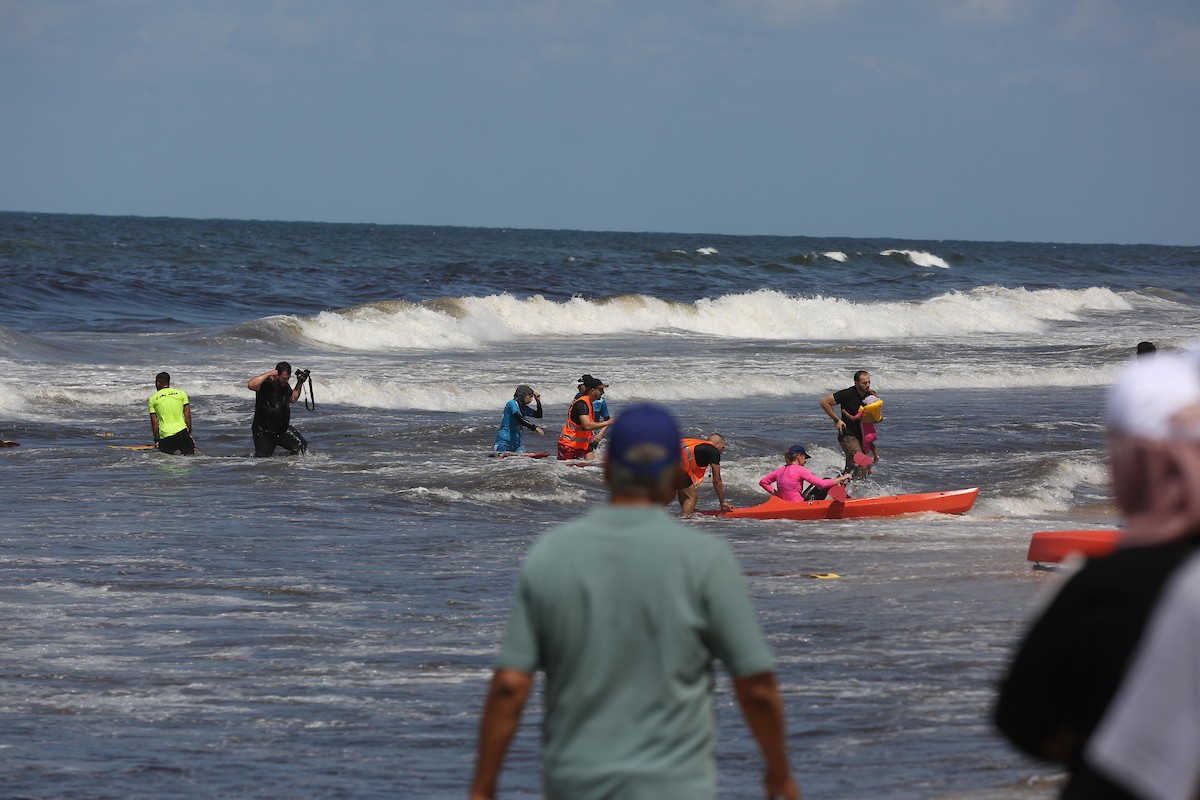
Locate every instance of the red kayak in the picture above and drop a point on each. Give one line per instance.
(958, 501)
(1053, 547)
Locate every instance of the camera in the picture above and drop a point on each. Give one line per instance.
(302, 374)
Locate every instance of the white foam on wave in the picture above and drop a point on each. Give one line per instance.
(919, 258)
(1054, 495)
(470, 323)
(706, 251)
(441, 386)
(13, 400)
(834, 255)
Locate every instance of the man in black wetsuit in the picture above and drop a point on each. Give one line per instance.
(850, 435)
(273, 411)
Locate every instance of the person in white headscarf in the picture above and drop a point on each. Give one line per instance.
(1073, 658)
(1148, 744)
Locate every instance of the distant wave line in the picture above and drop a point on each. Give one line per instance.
(471, 323)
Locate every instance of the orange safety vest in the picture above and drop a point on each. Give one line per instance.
(573, 435)
(688, 451)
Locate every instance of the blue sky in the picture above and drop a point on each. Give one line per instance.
(1068, 121)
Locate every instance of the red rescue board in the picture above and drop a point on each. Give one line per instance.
(1053, 547)
(958, 501)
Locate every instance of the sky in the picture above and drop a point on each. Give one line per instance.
(994, 120)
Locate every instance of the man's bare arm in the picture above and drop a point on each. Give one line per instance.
(506, 698)
(762, 706)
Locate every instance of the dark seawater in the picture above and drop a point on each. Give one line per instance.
(322, 627)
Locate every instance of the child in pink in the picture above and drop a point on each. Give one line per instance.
(870, 455)
(789, 479)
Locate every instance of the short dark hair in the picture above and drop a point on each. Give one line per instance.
(1143, 348)
(625, 483)
(859, 374)
(283, 366)
(163, 378)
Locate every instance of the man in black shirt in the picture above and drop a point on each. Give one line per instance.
(849, 430)
(273, 411)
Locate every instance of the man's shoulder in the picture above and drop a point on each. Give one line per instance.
(1128, 575)
(167, 391)
(844, 392)
(707, 454)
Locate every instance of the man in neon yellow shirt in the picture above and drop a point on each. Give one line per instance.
(171, 417)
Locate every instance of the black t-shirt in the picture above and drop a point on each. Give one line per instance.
(707, 454)
(850, 401)
(273, 406)
(579, 409)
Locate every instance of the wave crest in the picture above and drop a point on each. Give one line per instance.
(469, 323)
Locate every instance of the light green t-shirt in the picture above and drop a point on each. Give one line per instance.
(625, 610)
(168, 405)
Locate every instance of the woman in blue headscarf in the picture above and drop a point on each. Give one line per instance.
(517, 414)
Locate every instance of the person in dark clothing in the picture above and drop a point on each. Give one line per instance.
(1074, 658)
(273, 400)
(849, 426)
(697, 456)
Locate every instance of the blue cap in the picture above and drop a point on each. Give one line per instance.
(797, 450)
(644, 440)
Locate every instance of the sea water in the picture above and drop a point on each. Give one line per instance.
(323, 626)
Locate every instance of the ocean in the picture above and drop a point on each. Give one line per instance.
(323, 626)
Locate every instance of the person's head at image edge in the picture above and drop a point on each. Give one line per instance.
(1153, 421)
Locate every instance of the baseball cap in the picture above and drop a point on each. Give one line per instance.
(1157, 398)
(644, 441)
(797, 450)
(590, 383)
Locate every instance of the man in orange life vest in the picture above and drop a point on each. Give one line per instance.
(581, 426)
(698, 456)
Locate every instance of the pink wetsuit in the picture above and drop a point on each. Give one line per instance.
(789, 480)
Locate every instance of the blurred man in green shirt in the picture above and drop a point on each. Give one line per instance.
(625, 610)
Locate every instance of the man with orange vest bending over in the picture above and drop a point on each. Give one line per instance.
(698, 456)
(581, 426)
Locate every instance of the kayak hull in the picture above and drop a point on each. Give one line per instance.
(958, 501)
(1053, 547)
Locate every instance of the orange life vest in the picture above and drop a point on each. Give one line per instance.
(694, 471)
(574, 435)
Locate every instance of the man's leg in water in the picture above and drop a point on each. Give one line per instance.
(264, 442)
(688, 496)
(292, 440)
(851, 446)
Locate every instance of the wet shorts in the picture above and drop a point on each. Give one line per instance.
(566, 453)
(178, 443)
(266, 441)
(850, 446)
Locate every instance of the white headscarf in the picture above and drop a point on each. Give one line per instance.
(1153, 417)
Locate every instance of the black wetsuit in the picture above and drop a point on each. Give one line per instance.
(272, 421)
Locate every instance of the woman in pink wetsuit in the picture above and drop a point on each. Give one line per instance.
(789, 479)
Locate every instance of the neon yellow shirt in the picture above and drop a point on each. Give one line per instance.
(168, 405)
